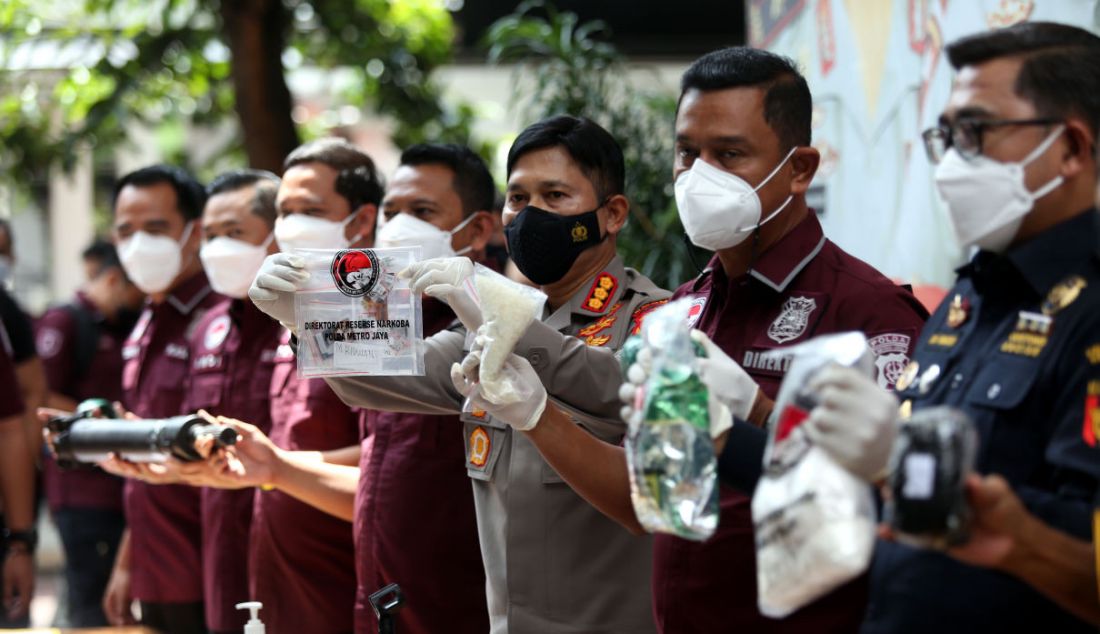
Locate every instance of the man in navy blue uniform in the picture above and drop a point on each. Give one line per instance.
(1016, 345)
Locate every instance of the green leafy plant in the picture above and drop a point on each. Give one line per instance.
(566, 67)
(162, 62)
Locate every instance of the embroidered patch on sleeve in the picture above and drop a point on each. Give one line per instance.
(641, 312)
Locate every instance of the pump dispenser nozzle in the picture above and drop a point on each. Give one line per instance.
(254, 625)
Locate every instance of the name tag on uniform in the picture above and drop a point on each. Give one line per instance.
(207, 362)
(773, 362)
(176, 351)
(1030, 335)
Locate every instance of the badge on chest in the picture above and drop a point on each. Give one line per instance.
(793, 320)
(1030, 335)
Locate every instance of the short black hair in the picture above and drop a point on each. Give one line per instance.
(1060, 73)
(595, 151)
(357, 179)
(190, 194)
(102, 255)
(788, 106)
(266, 189)
(472, 181)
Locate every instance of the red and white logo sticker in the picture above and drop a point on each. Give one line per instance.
(695, 311)
(355, 271)
(216, 332)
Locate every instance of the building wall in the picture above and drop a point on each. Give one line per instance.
(879, 78)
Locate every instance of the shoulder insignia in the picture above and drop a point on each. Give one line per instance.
(597, 340)
(603, 288)
(1063, 294)
(601, 324)
(640, 313)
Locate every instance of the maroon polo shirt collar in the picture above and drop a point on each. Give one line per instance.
(777, 267)
(189, 293)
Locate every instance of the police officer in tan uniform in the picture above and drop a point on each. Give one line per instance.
(553, 563)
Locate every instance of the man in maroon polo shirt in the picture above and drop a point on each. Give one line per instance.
(232, 352)
(775, 281)
(743, 130)
(743, 164)
(437, 199)
(17, 490)
(156, 218)
(80, 345)
(300, 560)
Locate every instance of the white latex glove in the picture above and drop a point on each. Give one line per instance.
(522, 415)
(725, 379)
(632, 391)
(273, 290)
(445, 280)
(856, 421)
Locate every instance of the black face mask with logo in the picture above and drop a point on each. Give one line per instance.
(545, 245)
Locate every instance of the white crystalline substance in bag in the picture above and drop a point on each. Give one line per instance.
(507, 309)
(815, 531)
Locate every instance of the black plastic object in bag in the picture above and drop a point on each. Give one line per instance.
(933, 455)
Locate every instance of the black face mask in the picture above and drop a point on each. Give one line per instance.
(544, 245)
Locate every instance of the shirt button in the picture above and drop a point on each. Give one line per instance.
(956, 380)
(994, 391)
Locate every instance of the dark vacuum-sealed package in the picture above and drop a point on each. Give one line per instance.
(933, 455)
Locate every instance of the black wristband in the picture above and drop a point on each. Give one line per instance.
(28, 538)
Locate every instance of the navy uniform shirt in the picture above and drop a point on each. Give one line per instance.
(1016, 345)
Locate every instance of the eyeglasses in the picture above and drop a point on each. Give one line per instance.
(966, 135)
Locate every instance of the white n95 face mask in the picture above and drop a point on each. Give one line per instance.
(232, 264)
(406, 230)
(152, 261)
(299, 231)
(987, 200)
(718, 209)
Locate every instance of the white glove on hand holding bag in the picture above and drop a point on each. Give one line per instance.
(856, 421)
(522, 415)
(445, 279)
(280, 276)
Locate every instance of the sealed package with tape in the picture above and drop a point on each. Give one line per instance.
(355, 316)
(814, 521)
(670, 454)
(933, 455)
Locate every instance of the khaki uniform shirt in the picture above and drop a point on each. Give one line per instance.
(553, 563)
